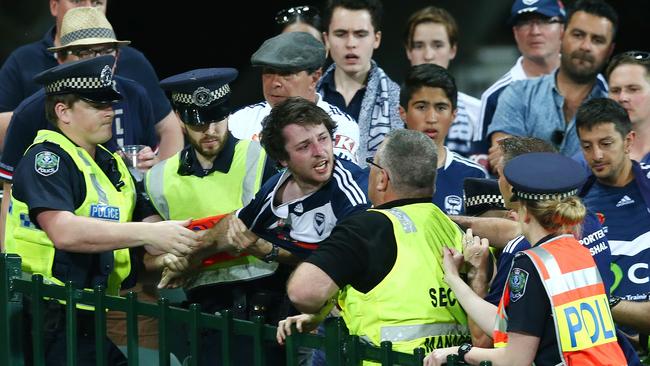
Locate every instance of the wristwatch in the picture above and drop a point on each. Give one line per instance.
(614, 300)
(272, 255)
(463, 349)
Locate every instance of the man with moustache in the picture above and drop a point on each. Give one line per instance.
(545, 107)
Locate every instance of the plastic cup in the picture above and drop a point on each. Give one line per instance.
(130, 155)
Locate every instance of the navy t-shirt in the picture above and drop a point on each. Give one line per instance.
(133, 124)
(17, 73)
(593, 237)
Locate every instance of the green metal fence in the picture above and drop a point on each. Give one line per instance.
(340, 348)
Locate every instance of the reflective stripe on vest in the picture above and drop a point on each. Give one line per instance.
(411, 308)
(102, 201)
(178, 197)
(584, 327)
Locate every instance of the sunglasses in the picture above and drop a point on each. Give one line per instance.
(289, 15)
(91, 52)
(371, 160)
(637, 55)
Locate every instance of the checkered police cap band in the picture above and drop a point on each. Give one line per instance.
(84, 83)
(86, 34)
(545, 196)
(491, 199)
(202, 96)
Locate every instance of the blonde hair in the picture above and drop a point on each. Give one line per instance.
(558, 215)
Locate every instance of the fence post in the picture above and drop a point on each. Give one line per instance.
(11, 312)
(163, 329)
(38, 348)
(386, 353)
(132, 340)
(419, 355)
(100, 326)
(227, 335)
(335, 334)
(71, 324)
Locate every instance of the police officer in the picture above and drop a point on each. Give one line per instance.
(73, 199)
(386, 261)
(557, 279)
(215, 174)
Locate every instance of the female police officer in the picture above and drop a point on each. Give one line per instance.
(554, 308)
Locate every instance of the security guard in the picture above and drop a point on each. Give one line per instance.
(386, 261)
(215, 174)
(72, 201)
(557, 280)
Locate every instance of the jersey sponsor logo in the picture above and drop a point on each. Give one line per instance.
(585, 323)
(105, 212)
(517, 281)
(453, 204)
(46, 163)
(319, 222)
(344, 142)
(626, 200)
(298, 209)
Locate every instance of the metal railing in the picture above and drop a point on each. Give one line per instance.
(340, 348)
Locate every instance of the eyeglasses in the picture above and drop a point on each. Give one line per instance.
(286, 16)
(527, 23)
(371, 160)
(91, 52)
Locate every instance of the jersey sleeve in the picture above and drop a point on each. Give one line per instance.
(527, 295)
(509, 116)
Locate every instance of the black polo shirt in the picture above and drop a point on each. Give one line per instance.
(333, 97)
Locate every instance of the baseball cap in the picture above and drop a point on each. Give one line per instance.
(549, 8)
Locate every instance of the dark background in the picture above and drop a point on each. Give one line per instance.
(177, 36)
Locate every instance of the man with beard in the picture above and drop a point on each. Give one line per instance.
(545, 107)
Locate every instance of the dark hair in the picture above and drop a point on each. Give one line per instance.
(52, 100)
(640, 58)
(428, 75)
(374, 7)
(431, 14)
(597, 111)
(294, 110)
(595, 7)
(514, 146)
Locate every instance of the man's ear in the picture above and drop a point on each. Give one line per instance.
(382, 182)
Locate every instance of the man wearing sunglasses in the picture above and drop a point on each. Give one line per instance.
(135, 122)
(305, 18)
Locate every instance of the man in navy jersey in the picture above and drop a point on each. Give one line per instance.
(428, 102)
(134, 121)
(618, 191)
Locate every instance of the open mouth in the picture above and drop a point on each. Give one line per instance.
(321, 167)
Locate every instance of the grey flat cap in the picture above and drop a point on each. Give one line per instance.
(291, 51)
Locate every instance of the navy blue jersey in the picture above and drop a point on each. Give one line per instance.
(133, 124)
(593, 237)
(449, 182)
(16, 74)
(300, 225)
(626, 221)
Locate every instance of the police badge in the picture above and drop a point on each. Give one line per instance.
(46, 163)
(202, 97)
(106, 76)
(517, 282)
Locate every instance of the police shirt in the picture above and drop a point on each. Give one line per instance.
(16, 75)
(529, 311)
(65, 189)
(449, 182)
(593, 237)
(300, 225)
(190, 165)
(246, 123)
(463, 128)
(133, 124)
(362, 248)
(626, 221)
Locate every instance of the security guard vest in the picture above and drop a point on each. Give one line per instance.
(103, 201)
(179, 197)
(583, 323)
(412, 306)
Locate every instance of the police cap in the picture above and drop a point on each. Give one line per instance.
(290, 52)
(481, 195)
(549, 8)
(90, 79)
(201, 96)
(544, 176)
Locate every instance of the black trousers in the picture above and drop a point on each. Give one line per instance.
(54, 341)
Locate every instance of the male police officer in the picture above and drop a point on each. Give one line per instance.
(73, 199)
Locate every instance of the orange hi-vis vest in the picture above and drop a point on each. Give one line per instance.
(583, 323)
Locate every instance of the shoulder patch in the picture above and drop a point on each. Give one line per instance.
(517, 283)
(46, 163)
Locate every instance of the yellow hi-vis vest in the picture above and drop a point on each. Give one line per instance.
(412, 306)
(179, 197)
(103, 201)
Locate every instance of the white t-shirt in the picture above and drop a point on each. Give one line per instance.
(246, 124)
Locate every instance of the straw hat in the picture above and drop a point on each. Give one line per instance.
(86, 26)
